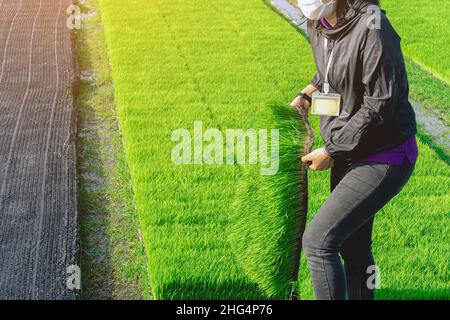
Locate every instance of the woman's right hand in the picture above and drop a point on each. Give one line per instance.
(301, 103)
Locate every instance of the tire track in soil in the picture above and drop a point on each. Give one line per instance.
(8, 37)
(46, 153)
(38, 206)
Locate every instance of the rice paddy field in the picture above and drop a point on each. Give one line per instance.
(425, 33)
(177, 62)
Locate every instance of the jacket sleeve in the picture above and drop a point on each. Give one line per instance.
(379, 83)
(316, 81)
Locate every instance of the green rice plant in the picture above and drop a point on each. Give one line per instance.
(425, 32)
(425, 44)
(269, 216)
(176, 62)
(173, 63)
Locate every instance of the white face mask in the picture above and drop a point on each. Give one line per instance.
(316, 9)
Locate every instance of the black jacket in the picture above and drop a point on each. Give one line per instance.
(369, 72)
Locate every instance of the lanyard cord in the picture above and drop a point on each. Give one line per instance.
(326, 86)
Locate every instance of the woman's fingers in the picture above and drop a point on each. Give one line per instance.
(319, 160)
(305, 107)
(301, 103)
(312, 167)
(307, 158)
(297, 102)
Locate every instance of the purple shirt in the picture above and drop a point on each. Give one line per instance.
(325, 23)
(406, 151)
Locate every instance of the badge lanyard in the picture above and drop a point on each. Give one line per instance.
(326, 85)
(326, 103)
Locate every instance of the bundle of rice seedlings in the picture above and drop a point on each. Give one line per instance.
(269, 214)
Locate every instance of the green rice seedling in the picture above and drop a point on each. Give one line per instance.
(176, 62)
(269, 216)
(425, 32)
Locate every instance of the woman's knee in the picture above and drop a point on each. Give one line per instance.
(314, 242)
(310, 241)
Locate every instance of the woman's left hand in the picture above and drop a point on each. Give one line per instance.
(320, 160)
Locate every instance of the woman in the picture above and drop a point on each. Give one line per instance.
(370, 146)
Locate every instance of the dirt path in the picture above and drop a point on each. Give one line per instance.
(38, 205)
(112, 252)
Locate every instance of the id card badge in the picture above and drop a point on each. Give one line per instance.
(326, 104)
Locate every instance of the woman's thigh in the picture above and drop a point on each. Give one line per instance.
(364, 190)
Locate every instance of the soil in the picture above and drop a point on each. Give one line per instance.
(38, 187)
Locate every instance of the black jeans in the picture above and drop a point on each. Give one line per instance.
(343, 225)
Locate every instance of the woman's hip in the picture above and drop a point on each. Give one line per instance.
(371, 185)
(356, 198)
